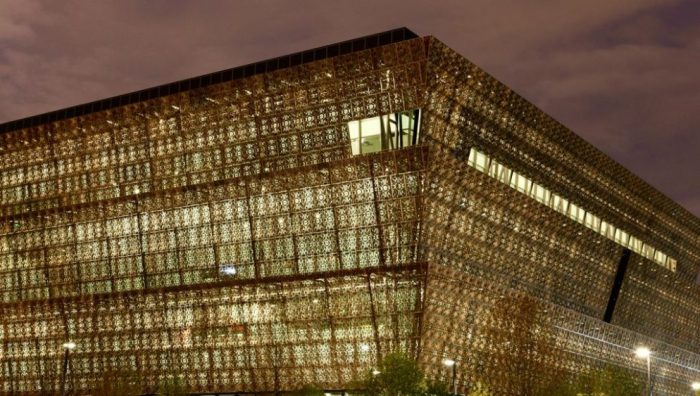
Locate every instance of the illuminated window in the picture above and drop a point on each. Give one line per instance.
(385, 132)
(523, 184)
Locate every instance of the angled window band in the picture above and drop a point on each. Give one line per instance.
(484, 163)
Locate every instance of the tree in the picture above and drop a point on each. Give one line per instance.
(608, 381)
(308, 390)
(173, 387)
(560, 386)
(397, 375)
(613, 381)
(437, 388)
(480, 390)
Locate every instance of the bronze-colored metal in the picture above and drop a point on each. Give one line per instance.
(228, 235)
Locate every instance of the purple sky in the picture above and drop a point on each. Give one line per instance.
(624, 74)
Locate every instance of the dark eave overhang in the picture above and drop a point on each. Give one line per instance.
(265, 66)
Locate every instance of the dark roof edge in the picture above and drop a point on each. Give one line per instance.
(295, 59)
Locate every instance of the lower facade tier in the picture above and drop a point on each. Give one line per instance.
(261, 337)
(331, 331)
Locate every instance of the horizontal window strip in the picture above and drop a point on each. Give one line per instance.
(483, 163)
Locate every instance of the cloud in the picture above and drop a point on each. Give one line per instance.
(619, 73)
(13, 20)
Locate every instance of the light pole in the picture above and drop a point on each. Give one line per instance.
(68, 346)
(645, 353)
(453, 364)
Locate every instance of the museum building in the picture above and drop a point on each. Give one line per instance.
(294, 220)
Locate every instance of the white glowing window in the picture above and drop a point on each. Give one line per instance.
(647, 251)
(606, 229)
(499, 172)
(621, 237)
(559, 204)
(520, 183)
(354, 128)
(635, 244)
(541, 194)
(671, 264)
(659, 257)
(385, 132)
(572, 211)
(481, 162)
(592, 221)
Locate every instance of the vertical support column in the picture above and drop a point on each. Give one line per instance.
(418, 311)
(334, 203)
(251, 228)
(331, 324)
(373, 310)
(293, 230)
(214, 239)
(74, 263)
(104, 213)
(142, 253)
(377, 214)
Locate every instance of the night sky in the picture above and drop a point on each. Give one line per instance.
(623, 74)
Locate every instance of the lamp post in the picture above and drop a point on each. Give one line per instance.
(68, 346)
(453, 364)
(645, 353)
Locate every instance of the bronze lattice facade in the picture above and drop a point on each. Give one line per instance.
(294, 220)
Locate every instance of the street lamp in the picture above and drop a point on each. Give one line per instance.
(68, 346)
(451, 363)
(695, 386)
(645, 353)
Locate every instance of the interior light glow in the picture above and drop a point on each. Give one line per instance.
(385, 132)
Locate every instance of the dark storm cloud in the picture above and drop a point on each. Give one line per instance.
(623, 74)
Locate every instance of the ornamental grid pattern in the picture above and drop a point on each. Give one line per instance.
(227, 233)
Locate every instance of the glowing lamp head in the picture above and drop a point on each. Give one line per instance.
(642, 352)
(449, 362)
(695, 386)
(69, 345)
(228, 270)
(376, 372)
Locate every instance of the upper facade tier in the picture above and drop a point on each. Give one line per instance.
(305, 164)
